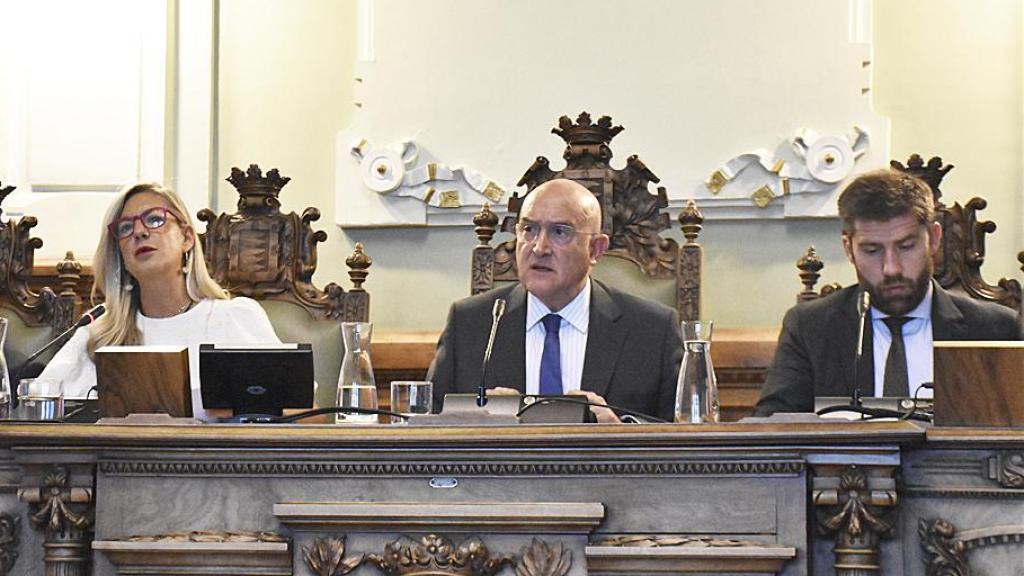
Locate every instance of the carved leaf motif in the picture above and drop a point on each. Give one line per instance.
(540, 559)
(943, 552)
(10, 528)
(855, 515)
(326, 557)
(55, 513)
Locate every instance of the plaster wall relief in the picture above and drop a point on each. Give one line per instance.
(808, 163)
(444, 125)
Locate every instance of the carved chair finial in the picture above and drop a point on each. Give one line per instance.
(358, 263)
(486, 222)
(691, 221)
(809, 265)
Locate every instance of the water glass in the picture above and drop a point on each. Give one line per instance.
(40, 399)
(411, 397)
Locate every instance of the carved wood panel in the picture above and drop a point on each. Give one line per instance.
(36, 307)
(265, 254)
(633, 217)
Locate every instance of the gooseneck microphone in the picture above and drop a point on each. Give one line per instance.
(88, 318)
(496, 313)
(863, 306)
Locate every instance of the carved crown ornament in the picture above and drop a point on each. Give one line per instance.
(633, 216)
(265, 254)
(256, 191)
(435, 555)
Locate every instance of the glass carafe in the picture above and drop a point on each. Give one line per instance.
(697, 388)
(356, 386)
(5, 375)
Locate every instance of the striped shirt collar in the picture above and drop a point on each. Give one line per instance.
(576, 312)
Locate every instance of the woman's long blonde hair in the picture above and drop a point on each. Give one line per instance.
(117, 326)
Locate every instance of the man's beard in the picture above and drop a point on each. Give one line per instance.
(903, 303)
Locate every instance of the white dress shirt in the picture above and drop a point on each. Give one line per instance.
(917, 339)
(572, 338)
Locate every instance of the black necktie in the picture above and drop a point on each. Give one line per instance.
(896, 381)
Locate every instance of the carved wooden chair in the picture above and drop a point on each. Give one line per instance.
(264, 254)
(961, 253)
(33, 317)
(632, 217)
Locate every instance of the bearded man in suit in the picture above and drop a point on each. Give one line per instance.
(889, 235)
(563, 332)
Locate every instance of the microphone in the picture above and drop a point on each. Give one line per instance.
(496, 313)
(88, 318)
(863, 306)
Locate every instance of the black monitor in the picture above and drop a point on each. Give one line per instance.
(256, 379)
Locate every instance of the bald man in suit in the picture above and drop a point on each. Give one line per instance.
(612, 347)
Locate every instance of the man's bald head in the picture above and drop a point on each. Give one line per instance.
(571, 192)
(559, 239)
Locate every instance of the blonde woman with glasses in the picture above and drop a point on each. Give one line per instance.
(149, 266)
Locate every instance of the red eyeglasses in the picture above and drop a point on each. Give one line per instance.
(151, 219)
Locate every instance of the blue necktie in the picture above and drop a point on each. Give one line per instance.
(551, 360)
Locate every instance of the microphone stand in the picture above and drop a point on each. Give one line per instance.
(496, 313)
(86, 319)
(863, 306)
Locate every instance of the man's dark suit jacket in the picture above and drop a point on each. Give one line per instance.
(632, 359)
(816, 349)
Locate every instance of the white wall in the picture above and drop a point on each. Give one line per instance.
(947, 73)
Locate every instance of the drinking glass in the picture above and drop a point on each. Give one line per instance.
(697, 387)
(411, 397)
(40, 399)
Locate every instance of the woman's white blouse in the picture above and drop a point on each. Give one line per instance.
(236, 321)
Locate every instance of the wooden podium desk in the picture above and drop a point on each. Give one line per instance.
(532, 500)
(741, 357)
